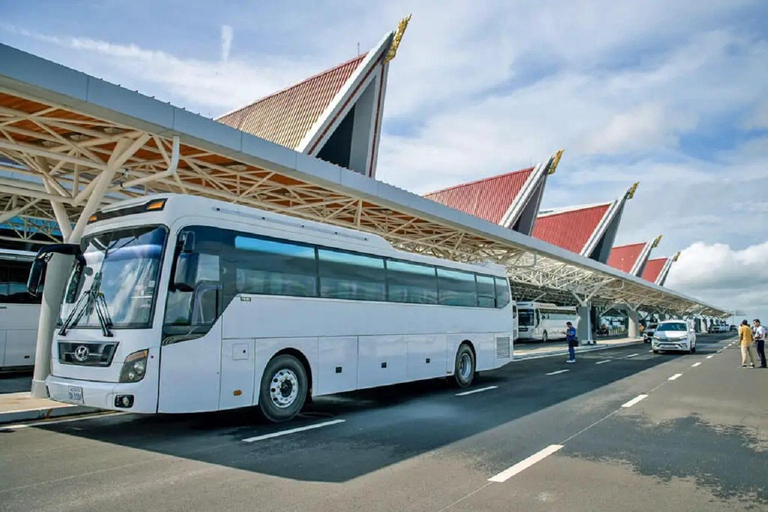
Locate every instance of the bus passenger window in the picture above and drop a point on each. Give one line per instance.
(271, 267)
(351, 276)
(457, 288)
(409, 282)
(486, 295)
(198, 307)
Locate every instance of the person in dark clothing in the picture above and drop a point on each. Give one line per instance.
(570, 337)
(759, 333)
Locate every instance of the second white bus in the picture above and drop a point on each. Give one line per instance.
(19, 311)
(181, 304)
(540, 321)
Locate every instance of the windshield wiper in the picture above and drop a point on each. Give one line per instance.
(91, 298)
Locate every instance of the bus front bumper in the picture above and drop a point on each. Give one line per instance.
(129, 397)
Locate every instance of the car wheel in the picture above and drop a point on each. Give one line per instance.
(655, 351)
(464, 368)
(284, 388)
(544, 337)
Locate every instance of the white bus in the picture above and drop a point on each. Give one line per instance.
(180, 304)
(543, 321)
(19, 310)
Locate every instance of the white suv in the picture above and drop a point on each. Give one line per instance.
(674, 335)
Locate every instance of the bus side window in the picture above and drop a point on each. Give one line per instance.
(15, 284)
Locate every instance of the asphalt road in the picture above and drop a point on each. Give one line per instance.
(698, 442)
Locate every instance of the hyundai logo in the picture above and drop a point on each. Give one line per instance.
(81, 353)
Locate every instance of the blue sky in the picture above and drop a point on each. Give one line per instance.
(671, 94)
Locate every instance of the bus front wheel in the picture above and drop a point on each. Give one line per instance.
(284, 388)
(464, 372)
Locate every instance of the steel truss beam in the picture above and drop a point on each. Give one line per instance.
(56, 158)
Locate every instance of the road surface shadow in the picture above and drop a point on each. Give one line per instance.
(383, 426)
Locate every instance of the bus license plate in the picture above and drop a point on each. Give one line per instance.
(75, 394)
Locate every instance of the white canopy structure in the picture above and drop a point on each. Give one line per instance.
(70, 142)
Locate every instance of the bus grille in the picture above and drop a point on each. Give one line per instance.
(502, 347)
(87, 354)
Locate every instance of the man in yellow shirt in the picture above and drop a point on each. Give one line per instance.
(747, 342)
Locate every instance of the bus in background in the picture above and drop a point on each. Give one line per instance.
(19, 311)
(179, 304)
(542, 321)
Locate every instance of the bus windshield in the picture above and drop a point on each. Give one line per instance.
(526, 316)
(121, 267)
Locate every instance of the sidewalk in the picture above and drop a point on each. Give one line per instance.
(17, 405)
(525, 351)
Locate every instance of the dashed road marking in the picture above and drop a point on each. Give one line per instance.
(710, 357)
(292, 431)
(525, 464)
(558, 371)
(675, 376)
(465, 393)
(603, 361)
(635, 400)
(632, 355)
(694, 365)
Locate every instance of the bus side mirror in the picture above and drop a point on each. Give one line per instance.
(36, 276)
(37, 272)
(185, 275)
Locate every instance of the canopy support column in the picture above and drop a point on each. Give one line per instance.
(59, 265)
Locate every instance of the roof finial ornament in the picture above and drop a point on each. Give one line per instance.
(656, 242)
(397, 38)
(675, 258)
(555, 161)
(632, 190)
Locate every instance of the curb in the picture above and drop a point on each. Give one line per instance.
(579, 350)
(45, 413)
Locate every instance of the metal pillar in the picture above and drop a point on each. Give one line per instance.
(633, 327)
(53, 293)
(584, 331)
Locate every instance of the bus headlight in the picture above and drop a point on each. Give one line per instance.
(135, 367)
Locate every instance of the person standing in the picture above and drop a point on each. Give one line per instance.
(747, 342)
(760, 332)
(570, 337)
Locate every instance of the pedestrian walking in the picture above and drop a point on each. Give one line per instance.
(570, 337)
(759, 332)
(747, 342)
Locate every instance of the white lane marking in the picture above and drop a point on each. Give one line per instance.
(633, 355)
(635, 400)
(292, 431)
(525, 464)
(604, 361)
(558, 371)
(710, 357)
(675, 376)
(694, 365)
(650, 350)
(476, 391)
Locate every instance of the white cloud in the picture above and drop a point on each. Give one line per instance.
(735, 279)
(209, 86)
(227, 34)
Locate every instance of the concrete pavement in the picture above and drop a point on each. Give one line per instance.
(694, 443)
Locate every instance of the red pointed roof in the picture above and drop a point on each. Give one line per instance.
(570, 229)
(624, 257)
(653, 268)
(286, 116)
(489, 198)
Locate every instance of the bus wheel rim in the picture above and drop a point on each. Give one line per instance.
(465, 366)
(284, 388)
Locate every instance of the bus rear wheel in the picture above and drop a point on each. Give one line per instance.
(284, 386)
(464, 371)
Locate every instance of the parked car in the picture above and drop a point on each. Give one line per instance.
(648, 332)
(674, 335)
